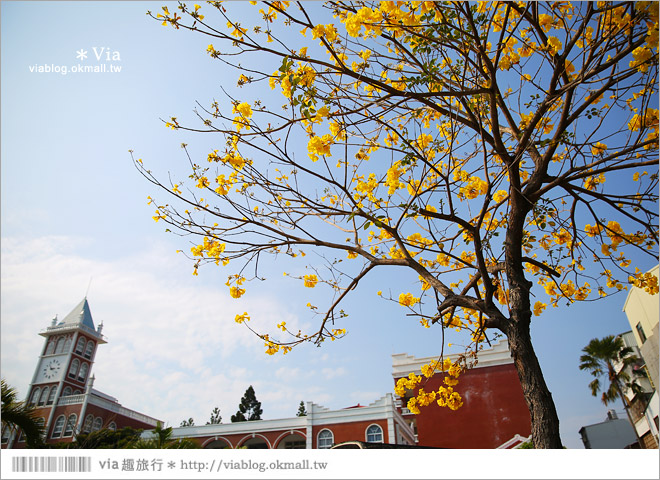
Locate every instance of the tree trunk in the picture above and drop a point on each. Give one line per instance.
(545, 422)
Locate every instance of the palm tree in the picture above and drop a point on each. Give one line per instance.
(16, 415)
(599, 359)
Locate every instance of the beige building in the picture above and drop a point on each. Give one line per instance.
(643, 312)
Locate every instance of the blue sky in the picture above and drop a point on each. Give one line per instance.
(74, 209)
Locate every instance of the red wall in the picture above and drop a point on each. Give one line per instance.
(66, 410)
(493, 411)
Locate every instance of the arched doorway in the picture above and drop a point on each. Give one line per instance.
(292, 441)
(218, 443)
(255, 442)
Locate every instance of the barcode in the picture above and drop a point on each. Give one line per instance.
(51, 464)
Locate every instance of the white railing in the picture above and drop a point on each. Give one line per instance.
(115, 407)
(71, 400)
(73, 326)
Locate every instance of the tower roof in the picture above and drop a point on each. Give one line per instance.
(81, 314)
(80, 318)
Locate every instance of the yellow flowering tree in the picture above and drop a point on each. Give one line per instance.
(504, 152)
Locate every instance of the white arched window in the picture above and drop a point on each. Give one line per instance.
(82, 374)
(112, 426)
(43, 397)
(35, 396)
(89, 349)
(66, 392)
(325, 439)
(87, 426)
(51, 397)
(59, 426)
(70, 425)
(80, 346)
(98, 423)
(73, 369)
(374, 434)
(60, 345)
(50, 349)
(67, 345)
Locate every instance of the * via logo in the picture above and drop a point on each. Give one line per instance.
(101, 54)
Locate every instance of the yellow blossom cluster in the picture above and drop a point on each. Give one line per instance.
(366, 188)
(444, 396)
(649, 120)
(272, 347)
(407, 299)
(319, 146)
(231, 157)
(327, 32)
(646, 281)
(474, 187)
(393, 175)
(590, 183)
(234, 290)
(212, 248)
(539, 307)
(310, 281)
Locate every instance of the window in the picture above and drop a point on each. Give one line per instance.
(77, 392)
(50, 349)
(67, 345)
(73, 369)
(89, 349)
(640, 332)
(82, 375)
(87, 426)
(59, 425)
(6, 433)
(51, 397)
(35, 396)
(66, 392)
(98, 423)
(70, 425)
(43, 397)
(60, 345)
(374, 434)
(80, 346)
(112, 426)
(325, 439)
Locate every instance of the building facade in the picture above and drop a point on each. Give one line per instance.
(494, 410)
(378, 422)
(614, 432)
(643, 312)
(62, 390)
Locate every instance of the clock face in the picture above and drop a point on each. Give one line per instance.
(52, 369)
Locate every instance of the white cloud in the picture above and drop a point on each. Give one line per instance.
(173, 349)
(329, 373)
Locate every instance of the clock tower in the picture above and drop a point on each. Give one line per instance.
(65, 364)
(61, 390)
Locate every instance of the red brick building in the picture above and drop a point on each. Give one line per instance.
(61, 387)
(493, 412)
